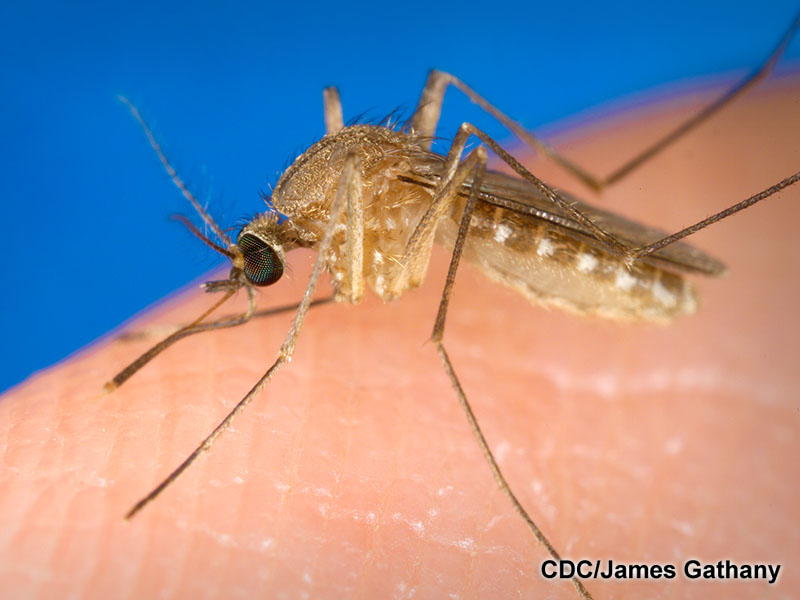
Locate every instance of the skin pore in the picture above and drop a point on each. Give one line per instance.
(354, 473)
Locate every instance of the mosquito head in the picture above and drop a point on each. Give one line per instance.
(263, 259)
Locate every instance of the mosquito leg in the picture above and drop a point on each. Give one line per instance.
(194, 327)
(352, 289)
(429, 109)
(416, 256)
(750, 81)
(270, 312)
(613, 244)
(334, 120)
(287, 348)
(475, 165)
(643, 251)
(418, 249)
(350, 187)
(162, 331)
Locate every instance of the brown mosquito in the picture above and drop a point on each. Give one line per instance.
(372, 200)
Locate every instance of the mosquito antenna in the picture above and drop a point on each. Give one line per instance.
(173, 174)
(190, 226)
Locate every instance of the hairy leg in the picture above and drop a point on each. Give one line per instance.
(429, 108)
(354, 472)
(333, 110)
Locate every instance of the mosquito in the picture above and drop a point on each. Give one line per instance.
(373, 199)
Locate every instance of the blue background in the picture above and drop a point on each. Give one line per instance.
(234, 93)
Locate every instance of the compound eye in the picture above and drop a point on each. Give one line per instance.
(261, 263)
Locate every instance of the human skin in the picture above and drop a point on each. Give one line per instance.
(355, 474)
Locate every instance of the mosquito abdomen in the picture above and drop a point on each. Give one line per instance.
(552, 266)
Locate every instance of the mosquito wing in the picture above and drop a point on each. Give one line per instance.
(518, 196)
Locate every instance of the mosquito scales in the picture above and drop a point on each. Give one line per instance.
(372, 200)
